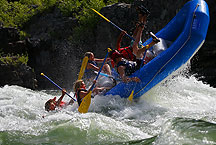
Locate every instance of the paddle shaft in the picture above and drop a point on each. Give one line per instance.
(109, 76)
(122, 30)
(114, 24)
(84, 106)
(101, 68)
(57, 86)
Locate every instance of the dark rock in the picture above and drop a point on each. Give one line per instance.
(14, 74)
(55, 51)
(50, 49)
(20, 74)
(203, 64)
(8, 35)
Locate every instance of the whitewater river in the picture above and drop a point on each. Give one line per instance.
(180, 110)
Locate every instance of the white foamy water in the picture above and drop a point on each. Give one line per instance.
(110, 119)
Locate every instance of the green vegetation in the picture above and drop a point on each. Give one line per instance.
(17, 14)
(14, 60)
(23, 35)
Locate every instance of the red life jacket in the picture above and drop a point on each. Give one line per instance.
(127, 53)
(62, 104)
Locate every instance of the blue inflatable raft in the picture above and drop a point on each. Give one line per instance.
(183, 35)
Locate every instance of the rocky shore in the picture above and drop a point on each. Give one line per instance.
(53, 50)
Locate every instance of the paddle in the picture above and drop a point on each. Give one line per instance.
(130, 98)
(83, 67)
(56, 85)
(83, 108)
(114, 25)
(109, 76)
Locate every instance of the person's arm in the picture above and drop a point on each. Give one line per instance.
(97, 90)
(122, 74)
(124, 77)
(118, 44)
(82, 94)
(91, 66)
(71, 102)
(100, 60)
(60, 99)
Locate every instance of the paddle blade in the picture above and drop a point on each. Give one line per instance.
(130, 98)
(84, 106)
(82, 69)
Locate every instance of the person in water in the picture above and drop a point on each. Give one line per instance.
(51, 104)
(136, 50)
(81, 91)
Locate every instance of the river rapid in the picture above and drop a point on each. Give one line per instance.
(180, 110)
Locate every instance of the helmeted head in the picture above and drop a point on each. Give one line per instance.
(50, 104)
(115, 54)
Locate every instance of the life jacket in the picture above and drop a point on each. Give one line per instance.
(127, 53)
(112, 63)
(61, 105)
(130, 66)
(79, 100)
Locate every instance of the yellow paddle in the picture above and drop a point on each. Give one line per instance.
(130, 98)
(83, 108)
(83, 67)
(115, 25)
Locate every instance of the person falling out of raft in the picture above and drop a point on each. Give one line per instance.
(93, 66)
(124, 67)
(51, 104)
(81, 91)
(128, 64)
(136, 50)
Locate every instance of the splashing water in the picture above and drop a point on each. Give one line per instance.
(180, 110)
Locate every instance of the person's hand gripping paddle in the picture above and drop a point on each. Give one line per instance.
(57, 85)
(84, 106)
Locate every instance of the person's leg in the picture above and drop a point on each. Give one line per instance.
(138, 36)
(155, 40)
(107, 69)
